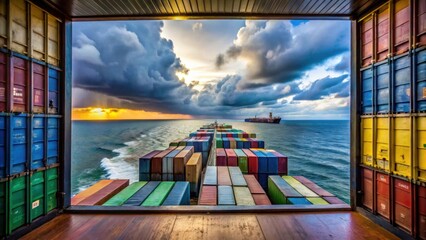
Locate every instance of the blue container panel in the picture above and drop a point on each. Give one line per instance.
(38, 145)
(226, 143)
(262, 161)
(142, 194)
(240, 144)
(421, 80)
(2, 147)
(52, 140)
(402, 85)
(19, 145)
(261, 144)
(246, 144)
(298, 201)
(383, 81)
(179, 195)
(53, 91)
(263, 180)
(367, 91)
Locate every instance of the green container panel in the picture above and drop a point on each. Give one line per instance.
(219, 143)
(17, 202)
(275, 194)
(157, 197)
(125, 194)
(37, 194)
(242, 160)
(3, 190)
(52, 188)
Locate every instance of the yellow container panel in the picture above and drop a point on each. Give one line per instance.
(38, 33)
(53, 42)
(382, 143)
(19, 26)
(421, 149)
(3, 24)
(402, 142)
(367, 141)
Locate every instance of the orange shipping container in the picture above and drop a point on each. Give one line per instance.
(367, 41)
(105, 193)
(401, 31)
(382, 33)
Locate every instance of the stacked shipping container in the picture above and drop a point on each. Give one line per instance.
(393, 88)
(30, 116)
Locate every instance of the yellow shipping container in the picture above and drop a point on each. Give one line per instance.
(402, 146)
(367, 141)
(38, 33)
(3, 24)
(421, 149)
(19, 28)
(382, 143)
(53, 42)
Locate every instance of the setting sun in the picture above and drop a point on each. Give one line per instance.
(96, 113)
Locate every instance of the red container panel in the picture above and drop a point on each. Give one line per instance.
(282, 163)
(208, 196)
(422, 211)
(232, 157)
(223, 177)
(253, 185)
(101, 196)
(253, 165)
(20, 84)
(367, 42)
(39, 88)
(402, 26)
(261, 199)
(367, 188)
(421, 23)
(221, 157)
(383, 195)
(333, 200)
(3, 81)
(382, 34)
(403, 205)
(157, 164)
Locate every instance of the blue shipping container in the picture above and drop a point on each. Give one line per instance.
(19, 140)
(225, 195)
(262, 161)
(54, 77)
(38, 144)
(421, 79)
(272, 162)
(3, 146)
(367, 91)
(382, 87)
(140, 196)
(298, 201)
(52, 140)
(402, 82)
(179, 195)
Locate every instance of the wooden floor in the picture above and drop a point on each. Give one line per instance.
(335, 225)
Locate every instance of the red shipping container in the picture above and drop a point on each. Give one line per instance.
(221, 157)
(421, 23)
(228, 135)
(157, 164)
(261, 199)
(421, 201)
(403, 205)
(223, 177)
(3, 81)
(367, 188)
(382, 33)
(253, 143)
(208, 196)
(367, 42)
(19, 84)
(101, 196)
(232, 157)
(282, 163)
(383, 195)
(246, 135)
(333, 200)
(253, 165)
(253, 185)
(39, 87)
(401, 26)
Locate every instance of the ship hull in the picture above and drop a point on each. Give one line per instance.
(263, 120)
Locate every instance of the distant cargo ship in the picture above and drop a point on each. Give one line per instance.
(264, 120)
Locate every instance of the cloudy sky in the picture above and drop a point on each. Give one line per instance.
(211, 69)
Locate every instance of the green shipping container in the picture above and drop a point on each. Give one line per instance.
(219, 143)
(17, 202)
(317, 201)
(3, 190)
(125, 194)
(157, 197)
(243, 196)
(37, 194)
(242, 160)
(52, 188)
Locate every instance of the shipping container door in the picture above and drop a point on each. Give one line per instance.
(3, 140)
(37, 193)
(402, 140)
(3, 25)
(38, 33)
(421, 22)
(19, 26)
(52, 188)
(53, 91)
(39, 86)
(3, 81)
(382, 77)
(402, 83)
(367, 90)
(420, 173)
(18, 158)
(421, 201)
(53, 42)
(420, 74)
(20, 84)
(367, 41)
(383, 195)
(3, 198)
(403, 204)
(382, 32)
(52, 140)
(367, 188)
(382, 143)
(18, 202)
(401, 26)
(367, 141)
(38, 143)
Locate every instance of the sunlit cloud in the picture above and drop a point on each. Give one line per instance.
(97, 113)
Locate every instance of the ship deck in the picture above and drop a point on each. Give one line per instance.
(323, 225)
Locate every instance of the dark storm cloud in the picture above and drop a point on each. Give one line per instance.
(278, 52)
(325, 87)
(129, 61)
(343, 65)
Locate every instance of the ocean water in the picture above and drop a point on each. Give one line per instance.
(318, 150)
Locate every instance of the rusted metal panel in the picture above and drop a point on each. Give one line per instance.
(401, 26)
